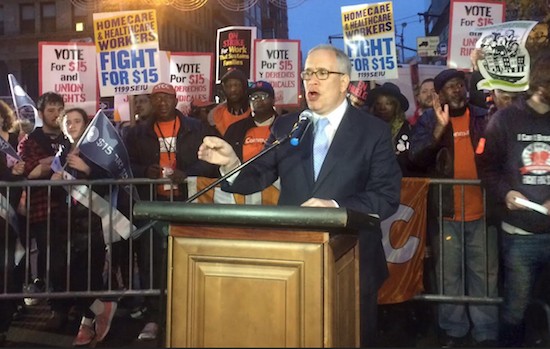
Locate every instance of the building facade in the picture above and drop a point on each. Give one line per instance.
(24, 23)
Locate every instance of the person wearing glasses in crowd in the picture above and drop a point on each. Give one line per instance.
(248, 136)
(345, 159)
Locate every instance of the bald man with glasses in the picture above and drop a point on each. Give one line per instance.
(359, 170)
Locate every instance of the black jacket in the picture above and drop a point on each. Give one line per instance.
(144, 150)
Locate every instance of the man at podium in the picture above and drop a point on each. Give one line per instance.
(345, 159)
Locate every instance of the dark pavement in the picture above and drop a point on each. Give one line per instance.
(29, 331)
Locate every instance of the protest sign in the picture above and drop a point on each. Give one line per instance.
(127, 51)
(465, 16)
(505, 63)
(278, 62)
(369, 40)
(69, 69)
(191, 76)
(234, 49)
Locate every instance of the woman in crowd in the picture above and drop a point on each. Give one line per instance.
(389, 104)
(86, 235)
(10, 170)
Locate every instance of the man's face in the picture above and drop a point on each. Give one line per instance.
(503, 99)
(425, 95)
(323, 96)
(233, 90)
(260, 102)
(142, 106)
(453, 93)
(164, 106)
(51, 114)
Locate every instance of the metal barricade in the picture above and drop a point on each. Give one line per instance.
(491, 242)
(61, 229)
(113, 286)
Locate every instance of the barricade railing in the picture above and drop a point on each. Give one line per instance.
(437, 293)
(121, 283)
(61, 229)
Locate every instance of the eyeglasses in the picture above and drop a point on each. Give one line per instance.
(258, 97)
(321, 74)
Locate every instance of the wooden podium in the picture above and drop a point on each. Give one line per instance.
(259, 276)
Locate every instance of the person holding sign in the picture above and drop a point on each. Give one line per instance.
(516, 175)
(345, 159)
(235, 108)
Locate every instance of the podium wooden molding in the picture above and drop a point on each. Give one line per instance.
(243, 285)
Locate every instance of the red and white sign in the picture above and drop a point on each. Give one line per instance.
(277, 61)
(465, 17)
(69, 69)
(191, 75)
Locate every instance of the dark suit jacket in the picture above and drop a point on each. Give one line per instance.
(360, 172)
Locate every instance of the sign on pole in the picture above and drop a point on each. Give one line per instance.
(127, 51)
(465, 16)
(234, 49)
(191, 76)
(277, 61)
(369, 40)
(68, 68)
(506, 61)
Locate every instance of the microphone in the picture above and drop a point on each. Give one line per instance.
(300, 127)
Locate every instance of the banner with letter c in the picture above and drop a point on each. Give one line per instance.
(403, 238)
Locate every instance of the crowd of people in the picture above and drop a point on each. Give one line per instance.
(355, 154)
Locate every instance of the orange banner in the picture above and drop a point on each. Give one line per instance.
(403, 237)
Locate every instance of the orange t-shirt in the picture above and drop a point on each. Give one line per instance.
(254, 141)
(167, 132)
(465, 168)
(223, 118)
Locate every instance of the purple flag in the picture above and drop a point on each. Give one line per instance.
(101, 144)
(24, 105)
(6, 148)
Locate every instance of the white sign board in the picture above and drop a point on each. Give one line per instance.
(278, 62)
(466, 15)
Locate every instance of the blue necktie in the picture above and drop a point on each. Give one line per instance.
(320, 145)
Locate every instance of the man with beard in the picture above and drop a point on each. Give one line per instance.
(235, 108)
(248, 136)
(37, 150)
(444, 141)
(424, 99)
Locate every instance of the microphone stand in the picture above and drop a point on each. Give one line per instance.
(264, 151)
(274, 145)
